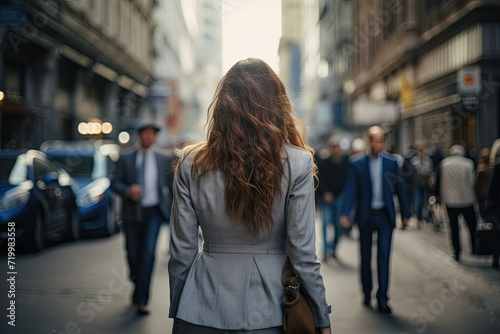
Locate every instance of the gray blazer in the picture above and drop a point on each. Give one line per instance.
(125, 174)
(234, 281)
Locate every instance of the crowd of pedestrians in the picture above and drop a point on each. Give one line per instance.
(462, 186)
(452, 181)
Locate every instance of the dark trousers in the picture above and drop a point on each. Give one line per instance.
(140, 243)
(379, 222)
(420, 197)
(470, 217)
(331, 215)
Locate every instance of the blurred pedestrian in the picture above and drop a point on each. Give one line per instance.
(483, 180)
(423, 170)
(333, 171)
(408, 173)
(141, 177)
(358, 146)
(436, 152)
(250, 187)
(494, 200)
(373, 179)
(456, 189)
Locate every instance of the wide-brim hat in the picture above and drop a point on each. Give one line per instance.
(148, 124)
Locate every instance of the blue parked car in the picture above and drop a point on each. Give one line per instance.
(39, 198)
(90, 165)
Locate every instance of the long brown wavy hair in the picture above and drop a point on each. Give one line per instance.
(249, 120)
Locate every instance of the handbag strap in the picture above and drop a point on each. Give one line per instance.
(289, 278)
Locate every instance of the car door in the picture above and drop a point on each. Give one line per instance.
(47, 181)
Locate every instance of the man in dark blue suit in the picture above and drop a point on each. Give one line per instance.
(143, 179)
(373, 180)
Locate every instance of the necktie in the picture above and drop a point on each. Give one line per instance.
(140, 179)
(142, 171)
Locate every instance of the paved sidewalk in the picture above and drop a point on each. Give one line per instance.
(430, 292)
(82, 287)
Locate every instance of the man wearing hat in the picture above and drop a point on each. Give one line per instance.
(143, 178)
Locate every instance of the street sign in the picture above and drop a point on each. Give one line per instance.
(12, 15)
(469, 80)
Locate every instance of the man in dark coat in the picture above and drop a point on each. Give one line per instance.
(143, 179)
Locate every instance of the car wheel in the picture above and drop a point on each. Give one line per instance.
(110, 227)
(74, 225)
(38, 237)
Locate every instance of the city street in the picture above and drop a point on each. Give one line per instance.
(97, 98)
(81, 287)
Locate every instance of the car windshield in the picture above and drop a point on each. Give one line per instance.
(13, 170)
(82, 166)
(76, 166)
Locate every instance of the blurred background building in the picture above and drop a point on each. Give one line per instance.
(427, 70)
(67, 62)
(335, 21)
(289, 51)
(433, 64)
(188, 64)
(68, 67)
(300, 61)
(208, 61)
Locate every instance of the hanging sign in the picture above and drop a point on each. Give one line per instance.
(469, 80)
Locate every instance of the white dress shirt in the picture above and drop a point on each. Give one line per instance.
(376, 178)
(150, 196)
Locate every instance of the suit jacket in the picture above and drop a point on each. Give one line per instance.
(358, 191)
(332, 175)
(494, 191)
(125, 174)
(234, 282)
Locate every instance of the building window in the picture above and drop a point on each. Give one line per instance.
(14, 79)
(391, 9)
(118, 16)
(92, 6)
(431, 6)
(105, 19)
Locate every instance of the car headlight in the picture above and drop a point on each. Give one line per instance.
(93, 193)
(14, 199)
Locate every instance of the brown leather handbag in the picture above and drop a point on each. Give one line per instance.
(297, 317)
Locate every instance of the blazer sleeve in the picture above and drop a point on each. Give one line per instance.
(300, 229)
(118, 183)
(494, 189)
(402, 193)
(183, 235)
(322, 186)
(349, 190)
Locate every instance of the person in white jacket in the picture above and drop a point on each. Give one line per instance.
(457, 193)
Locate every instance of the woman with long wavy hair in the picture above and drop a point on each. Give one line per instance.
(250, 189)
